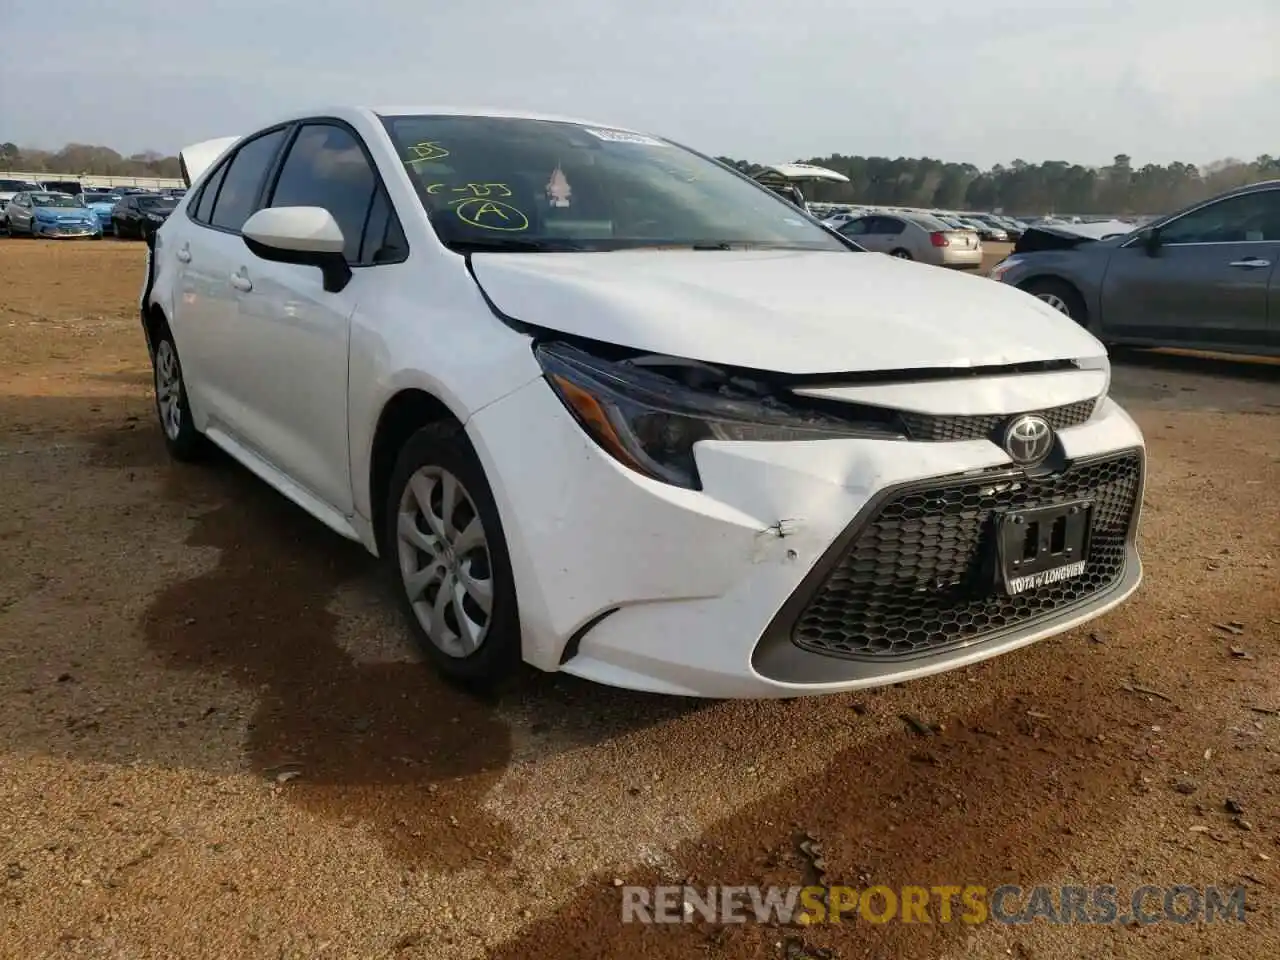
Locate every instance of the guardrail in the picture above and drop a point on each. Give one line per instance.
(92, 180)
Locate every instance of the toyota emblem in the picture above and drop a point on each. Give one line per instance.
(1028, 439)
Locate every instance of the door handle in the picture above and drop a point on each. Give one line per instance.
(1250, 263)
(241, 281)
(184, 254)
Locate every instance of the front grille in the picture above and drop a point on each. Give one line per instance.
(942, 429)
(920, 575)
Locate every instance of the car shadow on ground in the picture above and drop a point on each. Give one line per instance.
(1195, 381)
(1263, 369)
(387, 743)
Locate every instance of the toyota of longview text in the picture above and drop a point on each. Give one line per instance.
(604, 405)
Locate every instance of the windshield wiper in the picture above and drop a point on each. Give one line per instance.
(510, 245)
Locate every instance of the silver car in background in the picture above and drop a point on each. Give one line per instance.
(916, 236)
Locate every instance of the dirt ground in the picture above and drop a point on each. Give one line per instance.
(214, 741)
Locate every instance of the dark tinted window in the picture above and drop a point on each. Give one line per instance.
(888, 226)
(209, 193)
(327, 168)
(240, 185)
(1250, 217)
(384, 241)
(855, 228)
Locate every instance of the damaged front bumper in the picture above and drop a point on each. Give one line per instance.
(636, 583)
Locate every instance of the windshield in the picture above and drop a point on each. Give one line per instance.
(158, 204)
(54, 200)
(546, 185)
(16, 186)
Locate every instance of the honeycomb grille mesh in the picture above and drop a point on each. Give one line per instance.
(920, 575)
(935, 429)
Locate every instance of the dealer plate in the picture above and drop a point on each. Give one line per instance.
(1043, 546)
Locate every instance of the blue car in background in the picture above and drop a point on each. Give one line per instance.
(38, 213)
(101, 205)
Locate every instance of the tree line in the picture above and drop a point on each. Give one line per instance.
(84, 159)
(1054, 186)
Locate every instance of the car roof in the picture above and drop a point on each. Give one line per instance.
(348, 111)
(1251, 187)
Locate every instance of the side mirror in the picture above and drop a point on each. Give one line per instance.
(1151, 241)
(307, 236)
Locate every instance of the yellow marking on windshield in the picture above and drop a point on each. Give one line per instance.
(490, 214)
(428, 150)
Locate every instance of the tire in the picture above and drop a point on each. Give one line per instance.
(901, 254)
(183, 441)
(1060, 295)
(451, 636)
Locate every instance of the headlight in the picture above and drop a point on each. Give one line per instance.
(155, 218)
(651, 422)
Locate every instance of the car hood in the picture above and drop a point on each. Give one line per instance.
(799, 312)
(62, 213)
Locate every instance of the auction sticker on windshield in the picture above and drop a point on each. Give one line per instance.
(623, 136)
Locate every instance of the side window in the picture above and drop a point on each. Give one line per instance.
(1250, 217)
(208, 193)
(856, 228)
(243, 180)
(889, 226)
(326, 167)
(383, 240)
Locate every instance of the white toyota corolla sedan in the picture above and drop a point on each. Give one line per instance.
(606, 406)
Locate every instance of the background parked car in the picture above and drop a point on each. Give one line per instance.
(101, 203)
(914, 236)
(10, 187)
(1000, 232)
(984, 228)
(70, 187)
(1205, 277)
(49, 214)
(140, 214)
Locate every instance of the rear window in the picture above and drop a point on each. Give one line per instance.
(932, 224)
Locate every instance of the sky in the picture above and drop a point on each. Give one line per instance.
(978, 81)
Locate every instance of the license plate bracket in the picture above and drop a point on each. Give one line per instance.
(1043, 545)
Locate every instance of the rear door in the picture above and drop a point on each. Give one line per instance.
(210, 249)
(1206, 284)
(876, 233)
(891, 234)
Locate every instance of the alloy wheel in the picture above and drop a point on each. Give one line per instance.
(168, 389)
(444, 561)
(1055, 301)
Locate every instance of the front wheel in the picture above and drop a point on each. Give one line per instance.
(181, 437)
(446, 554)
(1060, 295)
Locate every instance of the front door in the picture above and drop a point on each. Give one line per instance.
(1205, 283)
(288, 321)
